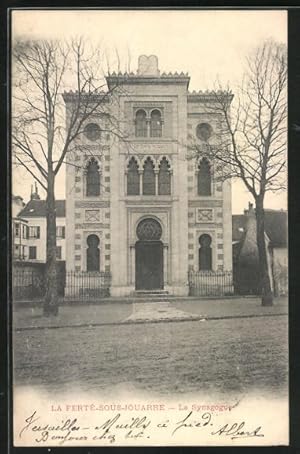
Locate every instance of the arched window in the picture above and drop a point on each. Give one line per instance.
(92, 178)
(155, 124)
(140, 124)
(148, 178)
(205, 252)
(164, 178)
(204, 178)
(133, 178)
(92, 253)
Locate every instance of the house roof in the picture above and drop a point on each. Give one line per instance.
(18, 219)
(37, 209)
(275, 225)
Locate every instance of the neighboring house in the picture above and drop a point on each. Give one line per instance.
(139, 208)
(245, 252)
(34, 213)
(19, 230)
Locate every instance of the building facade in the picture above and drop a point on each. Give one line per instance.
(137, 205)
(19, 230)
(34, 215)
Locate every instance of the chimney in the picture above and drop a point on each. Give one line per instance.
(251, 211)
(35, 195)
(248, 254)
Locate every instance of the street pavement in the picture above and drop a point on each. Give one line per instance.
(159, 311)
(238, 355)
(116, 313)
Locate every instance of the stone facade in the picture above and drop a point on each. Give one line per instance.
(158, 116)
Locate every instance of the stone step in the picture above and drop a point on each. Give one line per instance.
(150, 294)
(153, 299)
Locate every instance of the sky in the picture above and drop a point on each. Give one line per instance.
(209, 45)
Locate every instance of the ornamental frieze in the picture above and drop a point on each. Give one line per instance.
(85, 147)
(93, 225)
(92, 215)
(148, 104)
(87, 204)
(206, 215)
(151, 148)
(92, 149)
(205, 203)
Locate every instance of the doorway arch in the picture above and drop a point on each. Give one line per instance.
(149, 256)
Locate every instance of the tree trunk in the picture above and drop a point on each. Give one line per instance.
(51, 297)
(265, 282)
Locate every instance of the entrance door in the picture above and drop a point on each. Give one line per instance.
(148, 265)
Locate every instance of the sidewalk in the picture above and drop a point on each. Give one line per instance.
(119, 313)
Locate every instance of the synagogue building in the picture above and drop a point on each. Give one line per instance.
(137, 205)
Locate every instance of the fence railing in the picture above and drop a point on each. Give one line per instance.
(29, 285)
(87, 285)
(210, 283)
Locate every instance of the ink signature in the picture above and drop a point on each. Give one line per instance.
(120, 427)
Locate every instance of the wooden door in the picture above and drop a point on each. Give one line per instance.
(149, 265)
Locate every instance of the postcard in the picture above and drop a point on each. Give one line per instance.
(149, 227)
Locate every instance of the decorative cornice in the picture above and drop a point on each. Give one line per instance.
(101, 96)
(208, 95)
(131, 74)
(115, 79)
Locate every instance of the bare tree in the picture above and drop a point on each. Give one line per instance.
(42, 137)
(251, 144)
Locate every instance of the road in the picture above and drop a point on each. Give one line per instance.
(221, 356)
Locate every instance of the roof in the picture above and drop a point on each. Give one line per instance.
(275, 225)
(37, 209)
(18, 219)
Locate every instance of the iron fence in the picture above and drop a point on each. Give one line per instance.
(29, 285)
(210, 283)
(87, 285)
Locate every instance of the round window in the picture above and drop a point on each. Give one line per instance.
(204, 131)
(92, 131)
(149, 230)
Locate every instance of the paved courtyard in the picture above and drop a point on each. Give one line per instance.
(224, 356)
